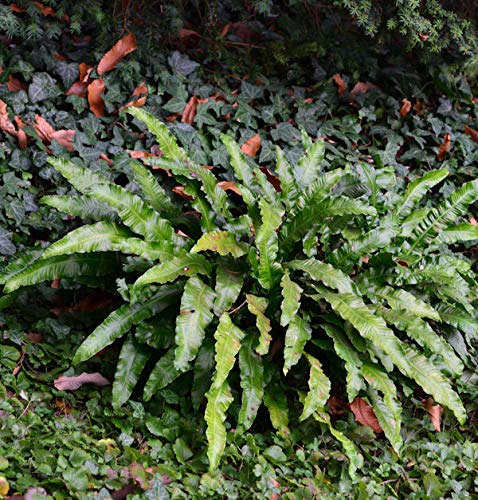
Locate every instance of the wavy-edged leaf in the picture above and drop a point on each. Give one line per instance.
(276, 402)
(20, 264)
(137, 215)
(131, 362)
(291, 293)
(319, 389)
(222, 242)
(308, 167)
(228, 343)
(202, 370)
(81, 178)
(102, 237)
(155, 195)
(409, 361)
(314, 213)
(324, 273)
(85, 206)
(229, 282)
(219, 398)
(459, 232)
(121, 320)
(422, 332)
(194, 316)
(162, 375)
(63, 266)
(445, 213)
(287, 179)
(165, 138)
(356, 459)
(398, 298)
(252, 383)
(346, 351)
(267, 242)
(417, 189)
(297, 335)
(388, 411)
(183, 264)
(258, 306)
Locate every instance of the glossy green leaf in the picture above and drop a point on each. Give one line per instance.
(319, 388)
(221, 242)
(162, 375)
(309, 166)
(81, 178)
(258, 306)
(194, 316)
(85, 206)
(297, 335)
(457, 233)
(276, 403)
(291, 293)
(401, 299)
(202, 373)
(229, 283)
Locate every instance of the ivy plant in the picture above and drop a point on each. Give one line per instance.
(252, 279)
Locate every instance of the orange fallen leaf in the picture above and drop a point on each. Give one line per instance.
(364, 414)
(272, 179)
(95, 89)
(7, 126)
(137, 103)
(21, 135)
(64, 137)
(362, 87)
(190, 111)
(473, 222)
(46, 11)
(140, 90)
(341, 85)
(75, 382)
(48, 134)
(15, 85)
(139, 154)
(405, 107)
(435, 411)
(105, 158)
(444, 147)
(119, 50)
(229, 186)
(251, 146)
(16, 8)
(185, 33)
(43, 128)
(180, 190)
(78, 88)
(472, 133)
(34, 338)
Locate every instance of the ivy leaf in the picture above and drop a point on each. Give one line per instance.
(42, 87)
(6, 245)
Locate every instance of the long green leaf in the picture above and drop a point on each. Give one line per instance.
(291, 293)
(457, 233)
(219, 398)
(194, 316)
(309, 166)
(258, 306)
(287, 179)
(131, 362)
(63, 266)
(229, 282)
(252, 383)
(319, 389)
(401, 299)
(162, 375)
(267, 243)
(121, 320)
(275, 401)
(85, 206)
(221, 242)
(228, 343)
(297, 335)
(183, 264)
(81, 178)
(203, 370)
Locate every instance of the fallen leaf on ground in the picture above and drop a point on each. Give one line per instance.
(472, 133)
(48, 134)
(435, 411)
(119, 50)
(46, 11)
(229, 186)
(7, 126)
(180, 190)
(105, 158)
(251, 146)
(95, 89)
(274, 180)
(98, 299)
(444, 147)
(341, 85)
(190, 110)
(362, 87)
(137, 103)
(405, 107)
(140, 90)
(473, 222)
(75, 382)
(364, 414)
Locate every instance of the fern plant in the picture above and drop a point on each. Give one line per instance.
(312, 269)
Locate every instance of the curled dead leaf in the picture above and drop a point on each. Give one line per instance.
(75, 382)
(444, 147)
(341, 85)
(140, 90)
(362, 87)
(95, 89)
(190, 110)
(180, 190)
(472, 133)
(405, 107)
(105, 158)
(435, 411)
(48, 134)
(7, 126)
(251, 146)
(229, 186)
(473, 222)
(274, 180)
(119, 50)
(364, 414)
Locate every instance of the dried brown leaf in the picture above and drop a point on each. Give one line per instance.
(48, 134)
(275, 181)
(95, 89)
(251, 146)
(98, 299)
(362, 87)
(364, 414)
(444, 147)
(341, 85)
(64, 137)
(75, 382)
(435, 411)
(473, 221)
(180, 190)
(405, 107)
(78, 88)
(140, 90)
(229, 186)
(472, 133)
(190, 110)
(119, 50)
